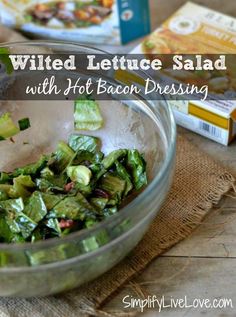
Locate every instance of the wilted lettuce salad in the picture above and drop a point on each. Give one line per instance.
(70, 189)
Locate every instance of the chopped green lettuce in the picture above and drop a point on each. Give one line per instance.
(73, 188)
(5, 59)
(47, 173)
(99, 203)
(7, 127)
(122, 172)
(83, 142)
(47, 187)
(85, 190)
(53, 224)
(5, 188)
(113, 185)
(88, 157)
(107, 212)
(3, 195)
(111, 158)
(6, 235)
(22, 186)
(17, 221)
(75, 208)
(44, 256)
(31, 169)
(35, 207)
(87, 115)
(51, 200)
(137, 166)
(63, 156)
(4, 178)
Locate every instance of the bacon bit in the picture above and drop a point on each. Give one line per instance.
(68, 187)
(101, 193)
(64, 224)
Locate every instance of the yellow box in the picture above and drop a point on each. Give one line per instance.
(195, 29)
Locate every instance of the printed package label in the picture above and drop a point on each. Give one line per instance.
(195, 29)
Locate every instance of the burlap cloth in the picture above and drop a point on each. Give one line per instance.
(199, 183)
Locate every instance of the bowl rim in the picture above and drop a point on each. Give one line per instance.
(123, 212)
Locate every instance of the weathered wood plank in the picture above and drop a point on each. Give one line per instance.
(176, 277)
(215, 237)
(180, 275)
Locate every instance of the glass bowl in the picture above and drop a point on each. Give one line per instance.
(59, 264)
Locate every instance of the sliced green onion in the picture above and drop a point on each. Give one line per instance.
(80, 174)
(24, 124)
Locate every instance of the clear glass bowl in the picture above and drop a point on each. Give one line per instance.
(60, 264)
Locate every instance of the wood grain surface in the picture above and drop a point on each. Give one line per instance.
(204, 265)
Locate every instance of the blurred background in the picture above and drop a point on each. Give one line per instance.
(101, 14)
(162, 9)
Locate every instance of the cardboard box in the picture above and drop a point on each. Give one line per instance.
(213, 119)
(194, 29)
(87, 21)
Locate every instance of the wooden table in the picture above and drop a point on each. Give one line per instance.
(203, 265)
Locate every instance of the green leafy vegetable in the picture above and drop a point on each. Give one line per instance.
(113, 185)
(83, 142)
(47, 173)
(17, 221)
(3, 195)
(63, 156)
(6, 235)
(85, 190)
(51, 200)
(22, 187)
(35, 208)
(80, 174)
(31, 169)
(45, 185)
(122, 172)
(87, 115)
(7, 127)
(5, 59)
(73, 188)
(111, 158)
(4, 178)
(53, 224)
(137, 166)
(24, 124)
(5, 188)
(42, 257)
(99, 203)
(74, 208)
(88, 157)
(149, 44)
(107, 212)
